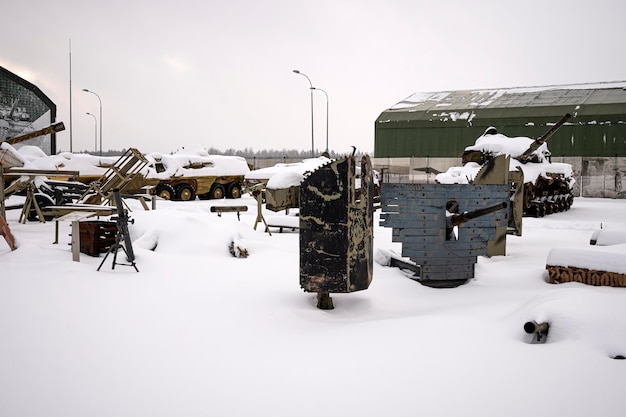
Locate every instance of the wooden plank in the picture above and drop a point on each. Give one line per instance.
(56, 211)
(228, 209)
(5, 232)
(76, 215)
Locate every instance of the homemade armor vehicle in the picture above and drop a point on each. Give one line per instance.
(547, 186)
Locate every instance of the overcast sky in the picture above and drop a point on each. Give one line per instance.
(220, 73)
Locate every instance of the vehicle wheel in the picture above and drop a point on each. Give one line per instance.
(43, 200)
(165, 191)
(205, 196)
(185, 192)
(217, 191)
(234, 190)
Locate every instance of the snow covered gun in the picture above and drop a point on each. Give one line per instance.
(459, 219)
(527, 155)
(539, 329)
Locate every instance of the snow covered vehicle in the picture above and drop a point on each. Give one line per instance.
(547, 186)
(282, 181)
(192, 172)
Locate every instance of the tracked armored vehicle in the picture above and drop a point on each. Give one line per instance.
(547, 186)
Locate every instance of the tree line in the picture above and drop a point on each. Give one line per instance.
(249, 153)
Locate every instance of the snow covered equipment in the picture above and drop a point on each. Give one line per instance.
(548, 186)
(443, 228)
(191, 172)
(122, 235)
(122, 175)
(336, 229)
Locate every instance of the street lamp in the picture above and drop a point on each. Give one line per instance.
(100, 101)
(95, 132)
(326, 94)
(312, 122)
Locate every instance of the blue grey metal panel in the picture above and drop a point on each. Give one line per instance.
(417, 215)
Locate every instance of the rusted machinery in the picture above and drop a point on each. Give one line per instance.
(424, 218)
(336, 230)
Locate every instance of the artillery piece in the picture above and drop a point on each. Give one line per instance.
(424, 218)
(547, 186)
(454, 220)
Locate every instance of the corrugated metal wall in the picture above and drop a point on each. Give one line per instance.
(596, 135)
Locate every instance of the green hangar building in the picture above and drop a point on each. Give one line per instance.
(426, 133)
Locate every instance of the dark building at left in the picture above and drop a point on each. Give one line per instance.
(24, 108)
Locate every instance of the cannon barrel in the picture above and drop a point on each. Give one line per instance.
(540, 329)
(122, 224)
(458, 219)
(543, 138)
(53, 128)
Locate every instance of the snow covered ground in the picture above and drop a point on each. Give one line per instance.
(197, 332)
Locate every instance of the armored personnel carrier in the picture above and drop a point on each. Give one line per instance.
(547, 186)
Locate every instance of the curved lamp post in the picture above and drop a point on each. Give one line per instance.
(326, 94)
(312, 123)
(95, 132)
(100, 101)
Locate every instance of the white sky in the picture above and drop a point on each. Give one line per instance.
(220, 74)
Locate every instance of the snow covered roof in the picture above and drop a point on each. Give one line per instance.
(548, 96)
(440, 124)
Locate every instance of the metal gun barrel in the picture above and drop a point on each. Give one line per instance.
(540, 329)
(543, 138)
(122, 224)
(459, 219)
(553, 129)
(54, 128)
